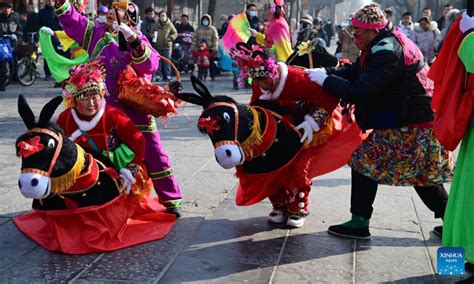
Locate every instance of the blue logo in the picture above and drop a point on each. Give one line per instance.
(450, 261)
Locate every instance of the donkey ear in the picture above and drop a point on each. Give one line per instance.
(48, 110)
(191, 98)
(25, 112)
(200, 88)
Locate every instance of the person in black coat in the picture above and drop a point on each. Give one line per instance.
(319, 55)
(318, 26)
(330, 32)
(184, 25)
(254, 22)
(389, 91)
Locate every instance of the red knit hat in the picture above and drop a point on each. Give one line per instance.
(370, 17)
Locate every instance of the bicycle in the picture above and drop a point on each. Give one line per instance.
(26, 69)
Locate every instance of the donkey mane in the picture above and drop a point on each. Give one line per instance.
(224, 99)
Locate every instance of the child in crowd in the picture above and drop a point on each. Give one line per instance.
(203, 57)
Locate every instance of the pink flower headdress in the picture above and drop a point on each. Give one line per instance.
(255, 62)
(272, 4)
(85, 80)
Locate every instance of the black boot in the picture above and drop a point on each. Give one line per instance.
(175, 210)
(469, 266)
(356, 228)
(438, 230)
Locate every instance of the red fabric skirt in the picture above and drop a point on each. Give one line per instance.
(453, 97)
(122, 222)
(306, 165)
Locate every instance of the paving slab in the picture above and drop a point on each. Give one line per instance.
(234, 240)
(392, 256)
(143, 263)
(309, 258)
(207, 270)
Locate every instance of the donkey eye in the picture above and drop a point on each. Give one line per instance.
(51, 143)
(226, 117)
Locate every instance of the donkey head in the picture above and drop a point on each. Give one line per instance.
(224, 121)
(44, 150)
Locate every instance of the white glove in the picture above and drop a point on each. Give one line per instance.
(115, 26)
(253, 32)
(309, 125)
(317, 75)
(49, 31)
(13, 37)
(128, 179)
(126, 30)
(466, 23)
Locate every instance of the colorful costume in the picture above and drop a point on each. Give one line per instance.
(102, 44)
(392, 95)
(109, 132)
(277, 36)
(86, 208)
(456, 93)
(330, 148)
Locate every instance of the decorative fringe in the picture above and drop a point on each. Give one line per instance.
(142, 185)
(322, 136)
(144, 96)
(255, 138)
(64, 182)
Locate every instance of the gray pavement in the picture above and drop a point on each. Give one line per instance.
(216, 241)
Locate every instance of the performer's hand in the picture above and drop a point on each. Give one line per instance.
(467, 22)
(49, 31)
(253, 32)
(317, 75)
(128, 179)
(309, 126)
(127, 32)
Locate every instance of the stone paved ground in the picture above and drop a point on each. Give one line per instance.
(216, 241)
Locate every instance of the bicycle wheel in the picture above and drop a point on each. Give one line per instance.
(26, 72)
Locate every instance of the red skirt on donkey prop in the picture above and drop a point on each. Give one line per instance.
(79, 204)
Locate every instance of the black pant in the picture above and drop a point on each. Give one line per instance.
(3, 73)
(364, 189)
(213, 69)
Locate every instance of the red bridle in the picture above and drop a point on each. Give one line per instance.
(59, 138)
(236, 123)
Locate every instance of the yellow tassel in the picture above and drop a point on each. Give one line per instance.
(142, 185)
(64, 182)
(255, 138)
(322, 136)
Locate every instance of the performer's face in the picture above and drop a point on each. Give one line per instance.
(363, 37)
(89, 106)
(266, 84)
(111, 18)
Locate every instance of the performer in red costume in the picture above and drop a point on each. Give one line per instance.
(96, 126)
(289, 91)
